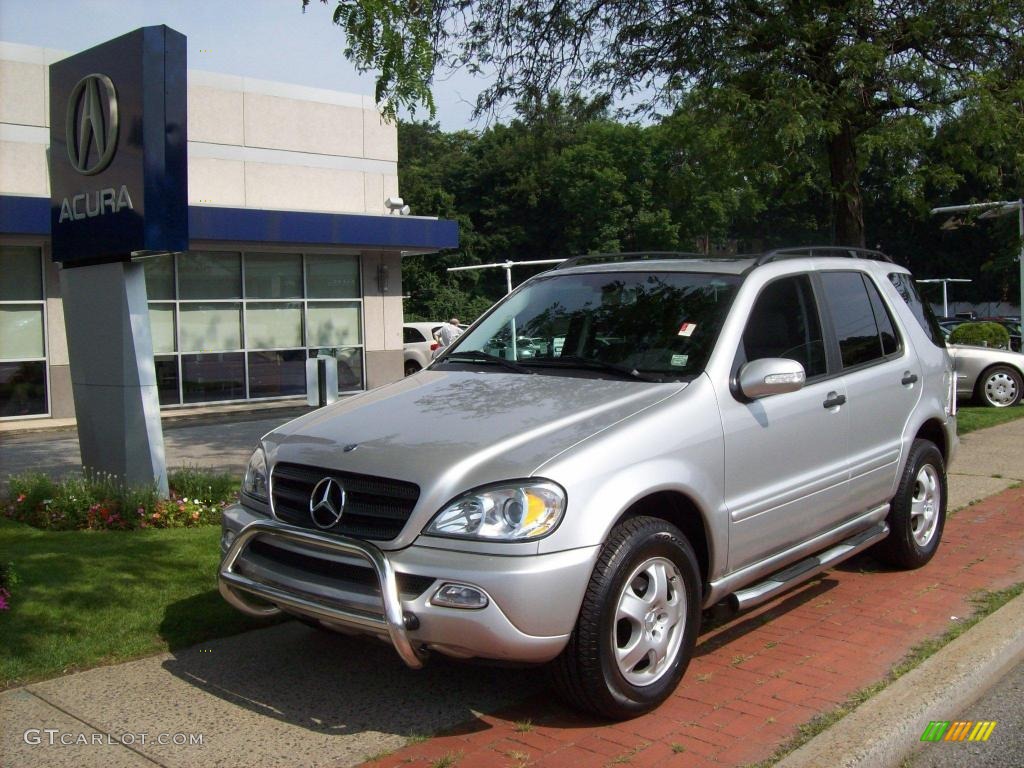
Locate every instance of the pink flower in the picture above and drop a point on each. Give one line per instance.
(21, 497)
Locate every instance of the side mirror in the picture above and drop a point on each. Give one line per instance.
(771, 376)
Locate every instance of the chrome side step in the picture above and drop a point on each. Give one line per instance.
(806, 569)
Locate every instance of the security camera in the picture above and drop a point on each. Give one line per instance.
(394, 204)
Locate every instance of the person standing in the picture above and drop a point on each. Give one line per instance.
(448, 333)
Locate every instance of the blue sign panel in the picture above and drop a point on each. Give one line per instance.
(118, 149)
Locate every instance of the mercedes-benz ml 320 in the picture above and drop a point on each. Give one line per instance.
(618, 444)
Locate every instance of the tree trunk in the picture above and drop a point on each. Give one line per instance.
(847, 205)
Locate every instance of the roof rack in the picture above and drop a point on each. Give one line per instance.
(778, 254)
(643, 256)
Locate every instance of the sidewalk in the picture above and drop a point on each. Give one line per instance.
(291, 696)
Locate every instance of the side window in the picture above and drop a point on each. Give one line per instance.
(905, 287)
(784, 323)
(886, 327)
(411, 336)
(854, 318)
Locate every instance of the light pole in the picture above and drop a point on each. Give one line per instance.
(945, 294)
(507, 266)
(991, 211)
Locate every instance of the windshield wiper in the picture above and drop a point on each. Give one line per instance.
(575, 361)
(476, 355)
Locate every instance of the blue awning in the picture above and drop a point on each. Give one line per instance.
(31, 216)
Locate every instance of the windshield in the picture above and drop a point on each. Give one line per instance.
(653, 326)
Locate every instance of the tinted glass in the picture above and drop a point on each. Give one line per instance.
(784, 323)
(853, 318)
(21, 277)
(350, 365)
(203, 275)
(925, 317)
(159, 277)
(273, 276)
(662, 325)
(886, 329)
(213, 377)
(22, 388)
(332, 276)
(167, 379)
(411, 336)
(272, 374)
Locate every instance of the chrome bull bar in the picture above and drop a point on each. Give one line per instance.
(232, 584)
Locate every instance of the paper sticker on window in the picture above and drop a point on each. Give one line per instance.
(687, 329)
(679, 361)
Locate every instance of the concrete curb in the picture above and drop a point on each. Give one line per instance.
(884, 729)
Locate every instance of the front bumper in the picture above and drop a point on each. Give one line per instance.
(531, 608)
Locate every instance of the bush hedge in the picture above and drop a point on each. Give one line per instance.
(98, 501)
(981, 335)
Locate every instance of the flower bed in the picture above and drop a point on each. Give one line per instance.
(95, 501)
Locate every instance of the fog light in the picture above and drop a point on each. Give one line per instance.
(226, 540)
(459, 596)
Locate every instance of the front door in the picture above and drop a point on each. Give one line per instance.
(786, 470)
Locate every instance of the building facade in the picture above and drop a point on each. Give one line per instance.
(293, 252)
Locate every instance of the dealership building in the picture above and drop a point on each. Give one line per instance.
(292, 250)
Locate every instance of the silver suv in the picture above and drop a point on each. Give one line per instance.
(618, 444)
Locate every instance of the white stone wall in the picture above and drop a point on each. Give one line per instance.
(252, 143)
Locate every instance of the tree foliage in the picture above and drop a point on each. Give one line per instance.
(800, 75)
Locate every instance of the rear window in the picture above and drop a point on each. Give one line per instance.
(904, 284)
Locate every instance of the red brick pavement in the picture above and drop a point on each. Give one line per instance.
(755, 680)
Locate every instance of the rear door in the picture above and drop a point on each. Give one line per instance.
(785, 455)
(883, 383)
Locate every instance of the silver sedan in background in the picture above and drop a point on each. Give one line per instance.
(994, 377)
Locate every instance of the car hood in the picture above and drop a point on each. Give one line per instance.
(451, 431)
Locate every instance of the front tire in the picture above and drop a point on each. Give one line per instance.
(1000, 387)
(918, 513)
(638, 623)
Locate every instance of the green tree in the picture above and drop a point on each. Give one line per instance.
(801, 74)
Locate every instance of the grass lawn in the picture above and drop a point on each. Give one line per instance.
(85, 598)
(978, 417)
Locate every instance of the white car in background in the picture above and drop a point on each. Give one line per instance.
(418, 339)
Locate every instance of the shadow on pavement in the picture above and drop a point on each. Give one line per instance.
(335, 684)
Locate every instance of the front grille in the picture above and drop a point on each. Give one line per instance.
(345, 576)
(375, 507)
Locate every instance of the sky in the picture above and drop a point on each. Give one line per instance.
(265, 39)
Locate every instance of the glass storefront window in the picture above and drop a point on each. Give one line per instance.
(21, 278)
(22, 388)
(21, 331)
(159, 277)
(272, 374)
(209, 275)
(332, 276)
(273, 326)
(161, 323)
(233, 326)
(273, 276)
(333, 323)
(210, 327)
(207, 378)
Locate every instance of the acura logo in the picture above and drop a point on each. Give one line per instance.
(327, 503)
(91, 126)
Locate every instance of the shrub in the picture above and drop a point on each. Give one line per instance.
(100, 501)
(7, 581)
(981, 335)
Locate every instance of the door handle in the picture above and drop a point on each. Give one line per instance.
(833, 400)
(909, 378)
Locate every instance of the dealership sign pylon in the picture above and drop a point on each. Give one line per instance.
(118, 193)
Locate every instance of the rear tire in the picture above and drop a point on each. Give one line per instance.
(999, 387)
(411, 366)
(918, 513)
(638, 623)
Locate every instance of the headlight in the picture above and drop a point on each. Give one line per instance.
(508, 512)
(255, 482)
